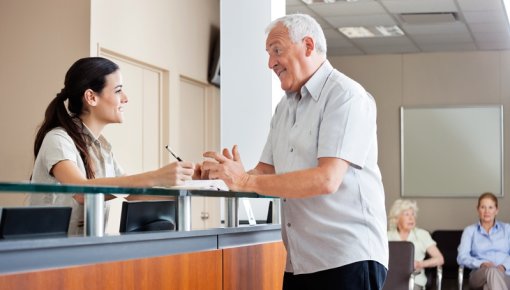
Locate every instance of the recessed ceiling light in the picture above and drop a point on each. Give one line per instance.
(371, 31)
(356, 32)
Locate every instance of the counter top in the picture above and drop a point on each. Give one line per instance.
(30, 255)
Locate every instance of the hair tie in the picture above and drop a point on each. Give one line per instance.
(62, 95)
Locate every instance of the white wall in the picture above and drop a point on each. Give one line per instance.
(249, 89)
(462, 78)
(246, 81)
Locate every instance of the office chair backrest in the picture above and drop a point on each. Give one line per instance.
(401, 266)
(447, 242)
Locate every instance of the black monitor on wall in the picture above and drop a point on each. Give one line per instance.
(142, 216)
(214, 64)
(34, 222)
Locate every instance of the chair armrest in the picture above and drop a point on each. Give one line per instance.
(461, 276)
(439, 278)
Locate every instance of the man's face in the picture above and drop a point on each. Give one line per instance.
(286, 58)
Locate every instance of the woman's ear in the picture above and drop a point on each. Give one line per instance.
(90, 97)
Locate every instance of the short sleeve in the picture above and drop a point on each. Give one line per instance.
(426, 239)
(57, 146)
(267, 152)
(348, 129)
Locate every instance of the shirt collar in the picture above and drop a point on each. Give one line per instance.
(497, 226)
(314, 85)
(90, 136)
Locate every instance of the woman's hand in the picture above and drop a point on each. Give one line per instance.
(418, 265)
(487, 265)
(173, 174)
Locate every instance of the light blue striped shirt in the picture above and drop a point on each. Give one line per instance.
(477, 246)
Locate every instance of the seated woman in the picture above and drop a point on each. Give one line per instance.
(402, 224)
(69, 147)
(485, 248)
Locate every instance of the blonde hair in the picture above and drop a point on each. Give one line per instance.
(397, 208)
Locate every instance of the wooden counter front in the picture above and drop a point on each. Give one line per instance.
(200, 271)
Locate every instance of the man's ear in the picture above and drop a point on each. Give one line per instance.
(309, 45)
(90, 97)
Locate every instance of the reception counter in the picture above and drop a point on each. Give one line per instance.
(251, 257)
(234, 257)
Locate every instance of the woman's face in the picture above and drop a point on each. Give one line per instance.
(406, 220)
(487, 210)
(111, 101)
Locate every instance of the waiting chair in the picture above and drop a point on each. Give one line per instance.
(447, 242)
(434, 277)
(401, 266)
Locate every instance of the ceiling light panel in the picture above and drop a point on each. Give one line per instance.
(371, 31)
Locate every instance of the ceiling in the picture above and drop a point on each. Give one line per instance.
(478, 25)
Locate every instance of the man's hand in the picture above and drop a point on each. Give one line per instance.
(227, 167)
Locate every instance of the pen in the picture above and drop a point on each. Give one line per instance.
(173, 154)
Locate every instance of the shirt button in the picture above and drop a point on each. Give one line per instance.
(284, 200)
(291, 149)
(288, 225)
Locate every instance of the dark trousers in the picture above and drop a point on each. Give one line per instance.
(364, 275)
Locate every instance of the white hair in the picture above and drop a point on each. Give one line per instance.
(300, 26)
(399, 206)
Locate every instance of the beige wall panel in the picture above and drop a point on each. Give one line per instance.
(152, 127)
(39, 43)
(40, 40)
(451, 78)
(173, 35)
(127, 138)
(431, 79)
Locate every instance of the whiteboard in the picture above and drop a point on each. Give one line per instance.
(451, 151)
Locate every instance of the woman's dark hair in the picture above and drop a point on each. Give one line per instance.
(488, 195)
(86, 73)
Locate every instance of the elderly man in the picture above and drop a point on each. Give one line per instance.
(321, 159)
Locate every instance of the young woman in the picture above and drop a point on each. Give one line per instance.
(70, 149)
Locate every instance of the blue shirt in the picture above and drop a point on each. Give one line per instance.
(334, 117)
(477, 246)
